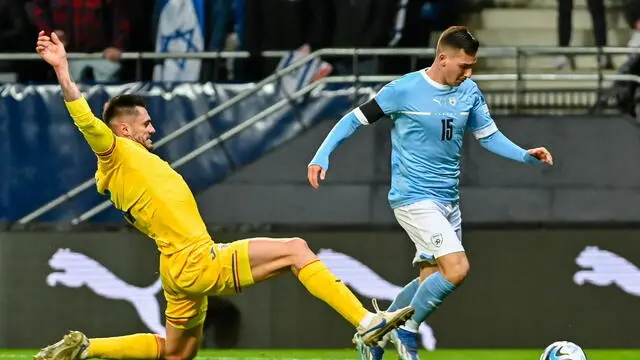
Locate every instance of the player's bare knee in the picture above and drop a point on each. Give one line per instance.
(299, 252)
(457, 272)
(297, 247)
(180, 351)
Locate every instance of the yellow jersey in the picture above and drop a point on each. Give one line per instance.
(153, 196)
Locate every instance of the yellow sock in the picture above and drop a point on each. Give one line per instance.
(324, 285)
(137, 346)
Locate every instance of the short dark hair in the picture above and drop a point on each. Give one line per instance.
(459, 37)
(121, 105)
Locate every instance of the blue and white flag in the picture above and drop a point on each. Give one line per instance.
(304, 75)
(180, 28)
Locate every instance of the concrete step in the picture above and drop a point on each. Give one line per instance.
(542, 85)
(498, 100)
(540, 18)
(544, 63)
(577, 4)
(487, 85)
(547, 37)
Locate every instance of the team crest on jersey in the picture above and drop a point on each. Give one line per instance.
(436, 239)
(452, 101)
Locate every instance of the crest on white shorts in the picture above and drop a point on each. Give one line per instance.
(436, 239)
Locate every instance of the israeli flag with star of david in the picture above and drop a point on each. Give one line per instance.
(180, 27)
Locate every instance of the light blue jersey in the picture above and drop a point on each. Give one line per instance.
(429, 121)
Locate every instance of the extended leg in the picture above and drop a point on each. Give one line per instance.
(269, 257)
(76, 346)
(434, 228)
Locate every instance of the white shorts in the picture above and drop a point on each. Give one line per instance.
(433, 227)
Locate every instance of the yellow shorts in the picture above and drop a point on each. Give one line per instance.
(190, 276)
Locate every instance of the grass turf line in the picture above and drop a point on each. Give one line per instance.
(441, 354)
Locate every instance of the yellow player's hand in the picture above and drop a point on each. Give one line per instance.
(51, 49)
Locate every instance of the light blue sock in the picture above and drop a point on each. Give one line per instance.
(405, 295)
(402, 300)
(428, 297)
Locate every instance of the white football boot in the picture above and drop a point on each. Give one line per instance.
(73, 346)
(382, 323)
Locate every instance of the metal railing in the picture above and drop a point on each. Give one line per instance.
(138, 57)
(174, 135)
(500, 51)
(214, 142)
(518, 53)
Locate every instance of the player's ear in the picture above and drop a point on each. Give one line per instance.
(126, 127)
(123, 128)
(442, 58)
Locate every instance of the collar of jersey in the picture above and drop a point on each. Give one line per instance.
(134, 142)
(432, 82)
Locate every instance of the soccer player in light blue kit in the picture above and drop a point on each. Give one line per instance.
(430, 110)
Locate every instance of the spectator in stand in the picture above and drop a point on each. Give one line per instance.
(415, 20)
(87, 26)
(632, 15)
(14, 37)
(599, 22)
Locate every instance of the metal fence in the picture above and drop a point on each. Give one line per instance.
(519, 78)
(520, 54)
(514, 96)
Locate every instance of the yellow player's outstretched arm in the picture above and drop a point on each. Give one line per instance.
(97, 133)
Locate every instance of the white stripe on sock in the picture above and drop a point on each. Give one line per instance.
(367, 320)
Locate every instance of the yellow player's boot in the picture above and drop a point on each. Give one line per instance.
(71, 347)
(382, 323)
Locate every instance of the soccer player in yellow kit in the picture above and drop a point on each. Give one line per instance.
(156, 200)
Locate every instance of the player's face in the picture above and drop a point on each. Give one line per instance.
(140, 128)
(458, 66)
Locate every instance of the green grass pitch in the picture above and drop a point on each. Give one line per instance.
(443, 354)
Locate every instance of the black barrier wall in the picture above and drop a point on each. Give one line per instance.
(594, 179)
(525, 289)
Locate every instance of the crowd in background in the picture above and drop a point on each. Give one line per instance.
(115, 26)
